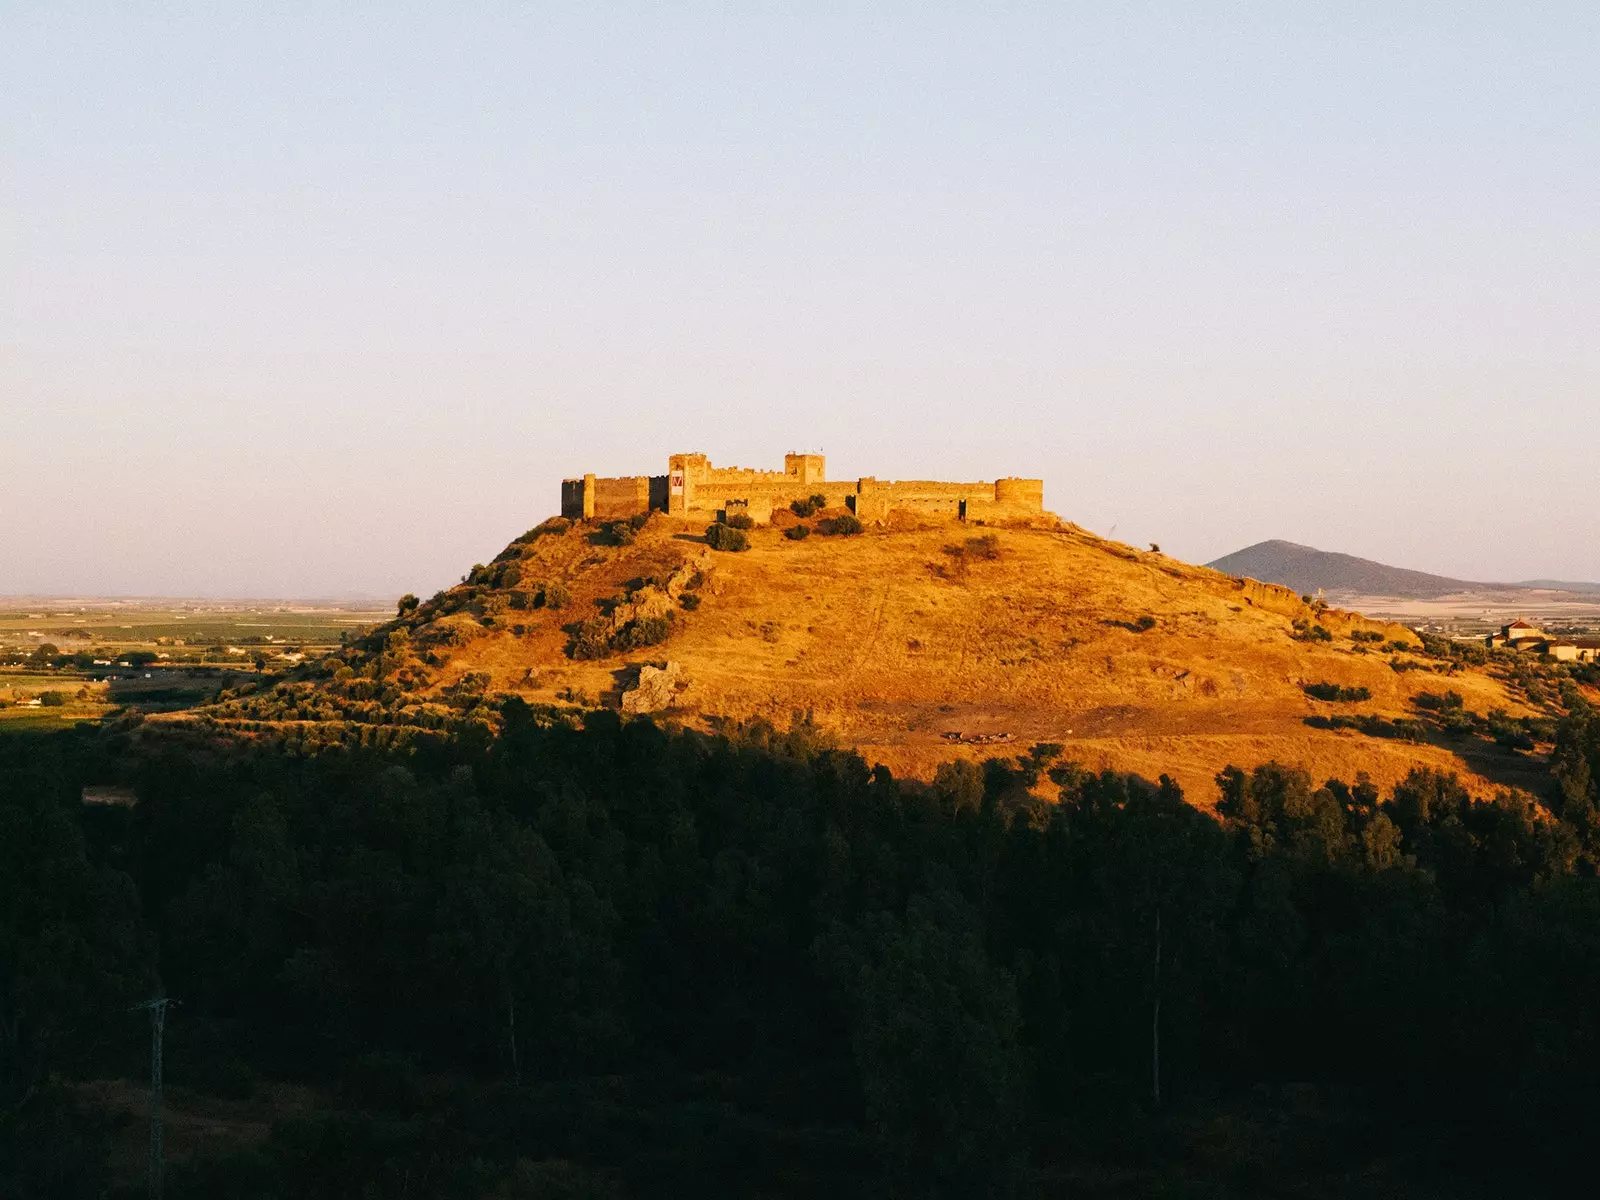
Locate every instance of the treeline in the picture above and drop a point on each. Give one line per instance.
(611, 960)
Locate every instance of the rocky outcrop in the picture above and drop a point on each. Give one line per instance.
(657, 688)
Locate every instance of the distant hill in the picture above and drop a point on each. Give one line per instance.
(1561, 585)
(1306, 569)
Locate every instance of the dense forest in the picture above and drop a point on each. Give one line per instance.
(600, 958)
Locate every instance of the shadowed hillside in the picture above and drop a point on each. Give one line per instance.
(915, 643)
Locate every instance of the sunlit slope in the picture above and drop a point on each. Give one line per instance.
(890, 640)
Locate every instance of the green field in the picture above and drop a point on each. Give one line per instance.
(196, 648)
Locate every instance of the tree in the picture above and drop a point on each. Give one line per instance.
(934, 1027)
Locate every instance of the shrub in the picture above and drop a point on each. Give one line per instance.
(646, 631)
(846, 526)
(638, 521)
(1144, 624)
(1435, 702)
(592, 639)
(595, 638)
(53, 699)
(1333, 692)
(803, 508)
(725, 537)
(1304, 631)
(555, 595)
(1508, 732)
(619, 533)
(739, 520)
(987, 548)
(689, 601)
(1366, 635)
(797, 533)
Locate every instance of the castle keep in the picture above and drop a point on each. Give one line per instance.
(693, 487)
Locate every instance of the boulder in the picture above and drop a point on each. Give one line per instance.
(657, 689)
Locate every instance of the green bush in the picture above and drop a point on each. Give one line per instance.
(797, 533)
(739, 520)
(846, 526)
(595, 638)
(53, 699)
(1333, 692)
(803, 508)
(689, 601)
(592, 639)
(725, 537)
(646, 631)
(555, 595)
(1366, 635)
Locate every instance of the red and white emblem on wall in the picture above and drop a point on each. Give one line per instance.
(676, 483)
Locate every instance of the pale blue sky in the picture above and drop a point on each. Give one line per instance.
(296, 301)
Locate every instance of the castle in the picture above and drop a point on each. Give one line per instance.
(693, 487)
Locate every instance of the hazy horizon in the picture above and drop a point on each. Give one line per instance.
(296, 303)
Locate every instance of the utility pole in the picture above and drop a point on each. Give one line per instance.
(1155, 1021)
(157, 1007)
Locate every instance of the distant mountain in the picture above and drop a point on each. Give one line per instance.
(1561, 585)
(1306, 569)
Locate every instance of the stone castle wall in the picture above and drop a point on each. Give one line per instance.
(601, 498)
(692, 486)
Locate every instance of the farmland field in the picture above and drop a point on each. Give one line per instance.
(63, 662)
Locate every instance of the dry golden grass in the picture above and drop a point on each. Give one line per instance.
(889, 640)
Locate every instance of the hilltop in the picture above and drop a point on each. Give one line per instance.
(900, 639)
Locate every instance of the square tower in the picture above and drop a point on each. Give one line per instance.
(806, 468)
(684, 471)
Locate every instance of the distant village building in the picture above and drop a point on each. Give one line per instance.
(1530, 639)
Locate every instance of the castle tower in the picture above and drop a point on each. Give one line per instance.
(684, 471)
(807, 468)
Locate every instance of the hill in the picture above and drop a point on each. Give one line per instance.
(900, 641)
(1305, 569)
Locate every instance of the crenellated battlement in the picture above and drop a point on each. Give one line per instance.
(693, 486)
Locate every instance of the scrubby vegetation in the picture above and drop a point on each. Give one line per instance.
(1335, 693)
(844, 525)
(1307, 631)
(808, 507)
(797, 533)
(725, 537)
